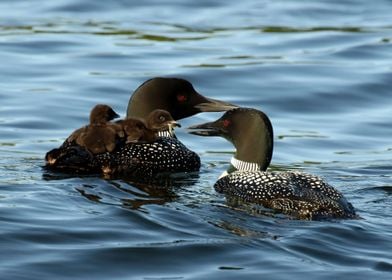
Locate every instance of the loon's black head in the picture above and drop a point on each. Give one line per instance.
(177, 96)
(101, 114)
(249, 130)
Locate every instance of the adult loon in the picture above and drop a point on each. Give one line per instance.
(296, 194)
(175, 95)
(163, 155)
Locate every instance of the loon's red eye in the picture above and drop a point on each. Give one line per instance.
(226, 123)
(181, 98)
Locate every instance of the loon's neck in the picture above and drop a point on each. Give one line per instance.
(240, 165)
(253, 140)
(167, 133)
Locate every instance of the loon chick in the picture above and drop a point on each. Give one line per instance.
(138, 130)
(175, 95)
(99, 114)
(135, 130)
(100, 135)
(161, 120)
(300, 195)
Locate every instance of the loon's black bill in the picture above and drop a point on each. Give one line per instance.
(205, 129)
(213, 105)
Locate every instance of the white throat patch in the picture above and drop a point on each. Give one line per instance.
(165, 133)
(243, 165)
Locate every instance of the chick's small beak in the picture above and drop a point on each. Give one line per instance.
(175, 124)
(172, 125)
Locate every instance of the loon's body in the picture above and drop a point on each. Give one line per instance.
(300, 195)
(165, 154)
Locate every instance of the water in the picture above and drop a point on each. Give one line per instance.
(322, 71)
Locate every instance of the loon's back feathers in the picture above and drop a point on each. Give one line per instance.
(297, 194)
(164, 155)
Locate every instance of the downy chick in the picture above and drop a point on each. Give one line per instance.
(100, 135)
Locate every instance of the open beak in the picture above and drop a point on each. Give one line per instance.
(172, 125)
(213, 105)
(207, 129)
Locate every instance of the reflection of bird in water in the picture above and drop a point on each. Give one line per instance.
(135, 194)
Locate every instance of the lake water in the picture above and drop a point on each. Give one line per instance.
(322, 71)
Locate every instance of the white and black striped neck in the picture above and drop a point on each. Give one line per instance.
(166, 133)
(240, 165)
(244, 165)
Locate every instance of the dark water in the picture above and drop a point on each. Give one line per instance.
(322, 70)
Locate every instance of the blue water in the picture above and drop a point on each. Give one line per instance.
(322, 71)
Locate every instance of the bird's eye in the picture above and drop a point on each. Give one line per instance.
(162, 118)
(226, 123)
(181, 98)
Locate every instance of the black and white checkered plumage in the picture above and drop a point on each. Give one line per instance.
(297, 194)
(166, 155)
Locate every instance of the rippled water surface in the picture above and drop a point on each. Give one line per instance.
(322, 71)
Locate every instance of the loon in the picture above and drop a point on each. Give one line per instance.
(166, 154)
(161, 120)
(100, 135)
(175, 95)
(299, 195)
(138, 130)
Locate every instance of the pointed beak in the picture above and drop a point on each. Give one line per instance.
(213, 105)
(113, 115)
(207, 129)
(174, 124)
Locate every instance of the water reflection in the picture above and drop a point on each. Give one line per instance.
(131, 193)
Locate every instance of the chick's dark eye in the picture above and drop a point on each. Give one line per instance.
(162, 118)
